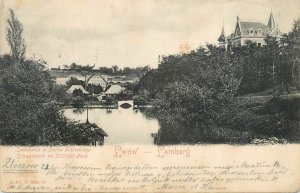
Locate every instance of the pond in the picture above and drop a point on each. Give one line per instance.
(123, 126)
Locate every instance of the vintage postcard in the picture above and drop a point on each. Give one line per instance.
(149, 96)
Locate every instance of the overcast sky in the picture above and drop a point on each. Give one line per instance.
(131, 32)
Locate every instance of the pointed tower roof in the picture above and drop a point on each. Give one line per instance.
(222, 37)
(271, 22)
(238, 30)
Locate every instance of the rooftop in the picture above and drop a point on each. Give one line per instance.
(245, 26)
(98, 130)
(74, 87)
(114, 89)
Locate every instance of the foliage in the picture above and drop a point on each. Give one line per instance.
(194, 93)
(74, 81)
(106, 70)
(288, 107)
(291, 54)
(242, 122)
(79, 67)
(277, 117)
(115, 68)
(27, 116)
(24, 90)
(28, 111)
(96, 89)
(256, 69)
(58, 93)
(126, 70)
(78, 101)
(77, 92)
(191, 87)
(275, 65)
(148, 82)
(14, 38)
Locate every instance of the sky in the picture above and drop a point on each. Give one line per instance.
(131, 33)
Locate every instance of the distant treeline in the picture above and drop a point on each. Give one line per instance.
(109, 70)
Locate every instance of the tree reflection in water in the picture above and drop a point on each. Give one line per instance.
(78, 110)
(108, 111)
(179, 132)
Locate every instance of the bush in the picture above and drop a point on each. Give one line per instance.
(289, 107)
(78, 102)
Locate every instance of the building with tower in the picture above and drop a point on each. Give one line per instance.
(222, 39)
(249, 31)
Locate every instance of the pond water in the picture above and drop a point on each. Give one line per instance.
(123, 126)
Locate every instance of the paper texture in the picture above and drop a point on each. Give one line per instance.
(211, 168)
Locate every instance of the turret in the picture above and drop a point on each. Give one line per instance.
(222, 38)
(271, 22)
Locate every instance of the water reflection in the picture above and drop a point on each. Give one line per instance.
(145, 126)
(123, 126)
(78, 110)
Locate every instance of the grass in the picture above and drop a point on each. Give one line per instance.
(265, 117)
(258, 118)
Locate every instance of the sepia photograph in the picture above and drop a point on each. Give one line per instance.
(119, 73)
(158, 73)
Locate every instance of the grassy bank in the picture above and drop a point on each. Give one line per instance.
(262, 119)
(249, 119)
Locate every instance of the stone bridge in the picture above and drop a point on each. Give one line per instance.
(130, 102)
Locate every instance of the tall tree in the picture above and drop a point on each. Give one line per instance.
(27, 117)
(14, 38)
(292, 47)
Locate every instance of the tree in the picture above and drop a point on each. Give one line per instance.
(254, 65)
(115, 68)
(127, 70)
(190, 90)
(79, 67)
(75, 81)
(95, 89)
(106, 70)
(25, 92)
(291, 47)
(59, 94)
(193, 86)
(77, 92)
(27, 116)
(15, 39)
